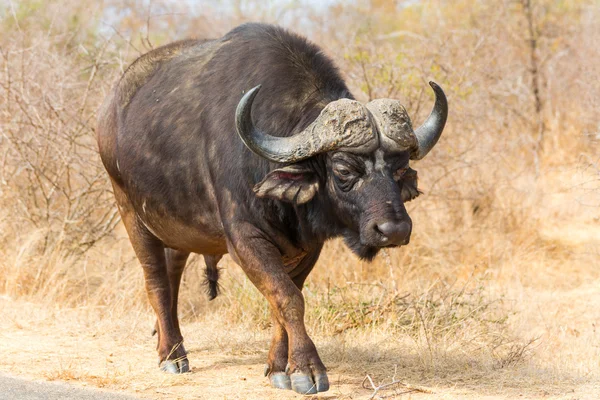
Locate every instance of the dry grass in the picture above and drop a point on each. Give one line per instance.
(496, 296)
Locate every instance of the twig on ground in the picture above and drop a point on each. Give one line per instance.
(397, 383)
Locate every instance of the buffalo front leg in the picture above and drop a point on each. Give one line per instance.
(278, 354)
(277, 359)
(262, 263)
(150, 251)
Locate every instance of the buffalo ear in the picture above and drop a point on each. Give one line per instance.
(408, 183)
(295, 184)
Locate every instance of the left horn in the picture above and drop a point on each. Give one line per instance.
(343, 123)
(429, 133)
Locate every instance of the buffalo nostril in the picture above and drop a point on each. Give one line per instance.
(395, 233)
(385, 228)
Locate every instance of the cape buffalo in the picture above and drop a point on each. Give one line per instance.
(252, 145)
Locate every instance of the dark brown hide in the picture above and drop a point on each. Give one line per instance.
(185, 182)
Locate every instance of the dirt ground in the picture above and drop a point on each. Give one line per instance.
(227, 361)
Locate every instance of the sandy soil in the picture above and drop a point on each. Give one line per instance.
(227, 361)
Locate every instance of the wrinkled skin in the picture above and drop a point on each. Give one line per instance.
(372, 185)
(184, 182)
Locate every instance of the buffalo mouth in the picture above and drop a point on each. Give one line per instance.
(364, 251)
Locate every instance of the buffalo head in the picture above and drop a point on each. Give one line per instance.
(362, 167)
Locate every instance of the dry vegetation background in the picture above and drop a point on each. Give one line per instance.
(498, 293)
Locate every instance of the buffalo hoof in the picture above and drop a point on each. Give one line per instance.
(280, 380)
(178, 366)
(304, 383)
(322, 382)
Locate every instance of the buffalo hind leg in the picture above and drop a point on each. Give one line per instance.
(150, 251)
(176, 261)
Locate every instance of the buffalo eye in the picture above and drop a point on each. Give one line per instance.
(343, 172)
(344, 177)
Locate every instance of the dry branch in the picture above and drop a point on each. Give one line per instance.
(394, 385)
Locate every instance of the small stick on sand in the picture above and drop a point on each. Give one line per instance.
(409, 388)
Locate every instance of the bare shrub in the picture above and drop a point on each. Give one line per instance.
(52, 182)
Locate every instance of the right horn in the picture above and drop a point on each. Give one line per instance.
(431, 130)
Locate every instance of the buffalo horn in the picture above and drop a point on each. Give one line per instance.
(431, 130)
(341, 124)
